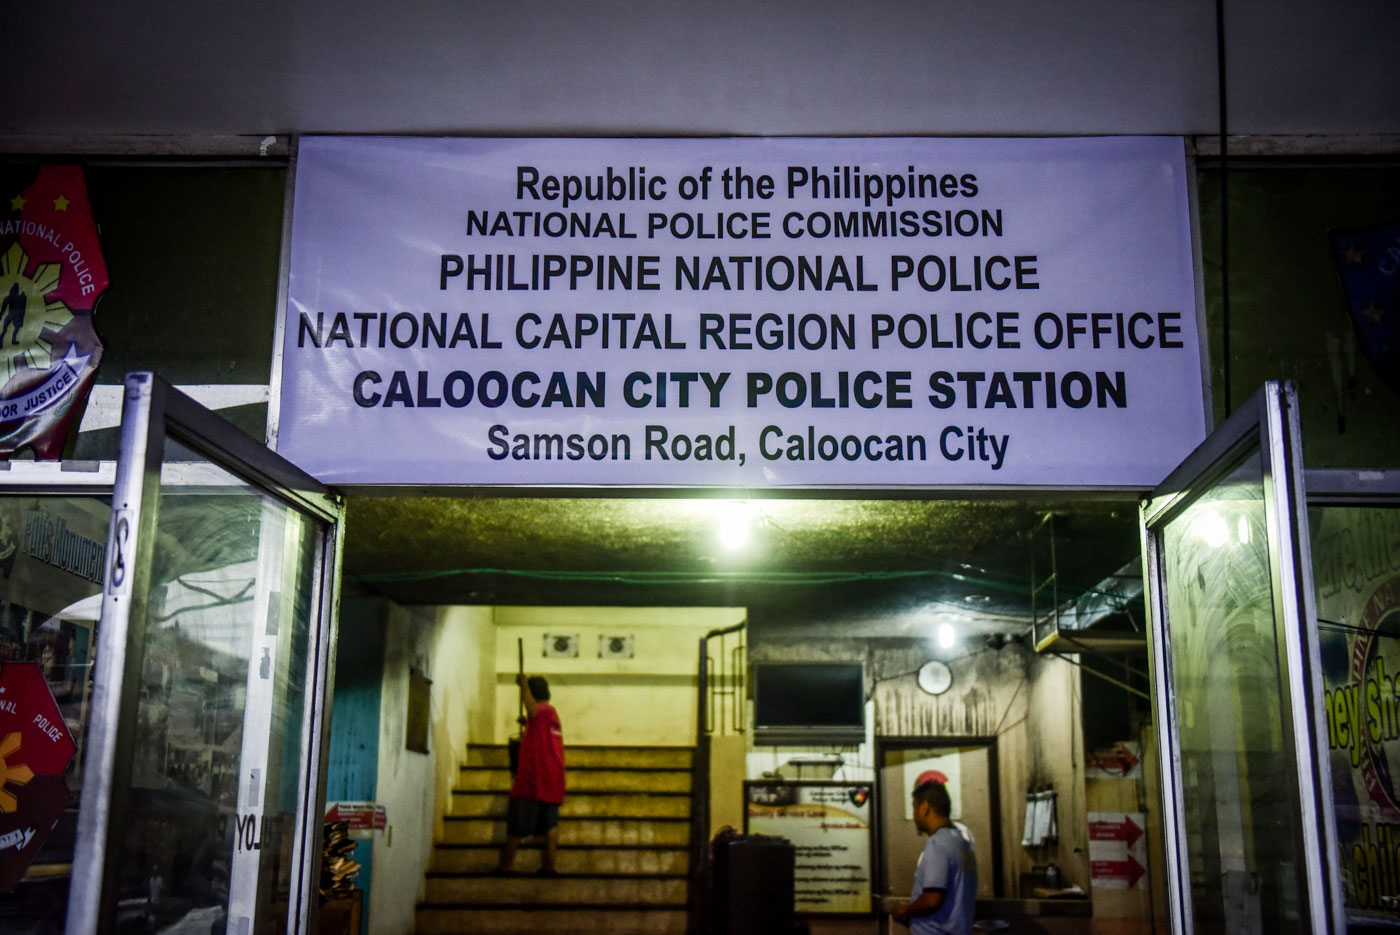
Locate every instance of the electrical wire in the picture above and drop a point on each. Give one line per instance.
(1107, 678)
(899, 675)
(1009, 705)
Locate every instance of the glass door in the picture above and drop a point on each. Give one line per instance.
(1251, 842)
(204, 760)
(1354, 522)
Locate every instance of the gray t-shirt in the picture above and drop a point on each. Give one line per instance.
(947, 863)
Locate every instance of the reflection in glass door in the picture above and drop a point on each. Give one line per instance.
(1235, 660)
(213, 800)
(207, 723)
(1354, 524)
(53, 538)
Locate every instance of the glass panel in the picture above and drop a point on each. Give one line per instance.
(1239, 817)
(1356, 575)
(52, 558)
(215, 778)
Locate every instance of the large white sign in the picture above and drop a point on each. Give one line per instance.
(741, 312)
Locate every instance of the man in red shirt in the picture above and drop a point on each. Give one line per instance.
(539, 778)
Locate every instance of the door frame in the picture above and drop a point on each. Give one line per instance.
(885, 744)
(1270, 422)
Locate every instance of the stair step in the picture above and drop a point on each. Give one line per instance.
(656, 757)
(580, 805)
(586, 779)
(482, 858)
(491, 829)
(575, 920)
(487, 890)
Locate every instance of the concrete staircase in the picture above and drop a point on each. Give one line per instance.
(624, 834)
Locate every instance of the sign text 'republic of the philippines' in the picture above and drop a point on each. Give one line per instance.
(741, 313)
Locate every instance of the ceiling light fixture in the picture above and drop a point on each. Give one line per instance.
(734, 525)
(946, 635)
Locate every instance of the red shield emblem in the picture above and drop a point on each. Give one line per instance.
(51, 276)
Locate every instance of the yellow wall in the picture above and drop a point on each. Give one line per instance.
(1136, 911)
(1053, 744)
(728, 769)
(648, 700)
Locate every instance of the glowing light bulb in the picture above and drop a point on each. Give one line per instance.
(946, 635)
(734, 527)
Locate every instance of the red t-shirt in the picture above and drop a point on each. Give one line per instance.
(540, 775)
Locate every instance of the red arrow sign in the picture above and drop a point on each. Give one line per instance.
(1126, 830)
(1129, 870)
(1119, 760)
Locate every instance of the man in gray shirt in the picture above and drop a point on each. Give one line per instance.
(944, 897)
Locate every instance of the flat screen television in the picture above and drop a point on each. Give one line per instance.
(800, 703)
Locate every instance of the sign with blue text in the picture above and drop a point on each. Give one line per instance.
(741, 313)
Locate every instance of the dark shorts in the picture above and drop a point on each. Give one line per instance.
(526, 817)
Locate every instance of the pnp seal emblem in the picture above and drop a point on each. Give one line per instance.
(51, 275)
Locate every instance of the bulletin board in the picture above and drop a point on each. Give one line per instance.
(830, 825)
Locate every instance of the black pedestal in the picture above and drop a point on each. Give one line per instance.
(753, 886)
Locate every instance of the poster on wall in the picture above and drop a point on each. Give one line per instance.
(946, 769)
(1356, 570)
(829, 825)
(363, 820)
(1368, 262)
(51, 276)
(756, 313)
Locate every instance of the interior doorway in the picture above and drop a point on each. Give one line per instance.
(968, 767)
